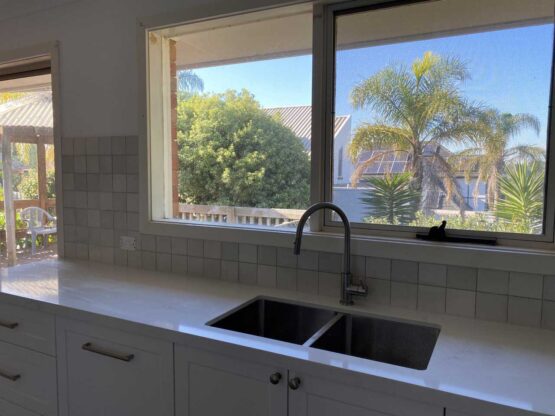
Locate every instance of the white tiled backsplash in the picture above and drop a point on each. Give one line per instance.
(100, 178)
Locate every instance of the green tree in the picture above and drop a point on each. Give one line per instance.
(490, 151)
(28, 187)
(522, 196)
(417, 109)
(392, 198)
(232, 153)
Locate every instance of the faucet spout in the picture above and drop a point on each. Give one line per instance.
(348, 290)
(297, 244)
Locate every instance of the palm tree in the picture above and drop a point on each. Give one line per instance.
(417, 110)
(522, 191)
(489, 150)
(392, 198)
(189, 82)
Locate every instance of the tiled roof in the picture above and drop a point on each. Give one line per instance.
(299, 120)
(34, 110)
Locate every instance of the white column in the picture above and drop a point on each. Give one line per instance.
(9, 210)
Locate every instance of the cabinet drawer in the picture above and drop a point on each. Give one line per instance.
(112, 373)
(28, 379)
(27, 328)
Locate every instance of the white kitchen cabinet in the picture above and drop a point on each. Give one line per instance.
(214, 384)
(318, 397)
(28, 379)
(112, 373)
(27, 328)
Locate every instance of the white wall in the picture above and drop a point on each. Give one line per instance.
(99, 94)
(98, 52)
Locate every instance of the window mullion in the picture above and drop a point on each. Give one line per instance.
(322, 97)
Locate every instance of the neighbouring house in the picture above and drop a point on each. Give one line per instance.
(400, 162)
(349, 197)
(299, 120)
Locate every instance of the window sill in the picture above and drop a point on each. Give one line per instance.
(471, 255)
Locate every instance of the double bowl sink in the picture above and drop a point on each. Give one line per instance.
(398, 342)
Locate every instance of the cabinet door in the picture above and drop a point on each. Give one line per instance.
(213, 384)
(112, 373)
(9, 409)
(318, 397)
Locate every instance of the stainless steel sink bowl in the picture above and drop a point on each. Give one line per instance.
(402, 343)
(276, 320)
(393, 342)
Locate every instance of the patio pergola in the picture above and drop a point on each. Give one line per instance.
(26, 120)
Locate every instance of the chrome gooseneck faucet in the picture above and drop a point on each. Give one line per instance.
(348, 290)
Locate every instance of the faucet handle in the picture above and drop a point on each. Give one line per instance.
(358, 289)
(363, 284)
(361, 289)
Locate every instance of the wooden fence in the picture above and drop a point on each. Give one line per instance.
(269, 217)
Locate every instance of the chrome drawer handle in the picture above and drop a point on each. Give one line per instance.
(11, 377)
(97, 350)
(9, 325)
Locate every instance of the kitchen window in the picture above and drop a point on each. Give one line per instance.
(238, 120)
(419, 111)
(440, 105)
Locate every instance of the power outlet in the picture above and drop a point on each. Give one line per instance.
(127, 243)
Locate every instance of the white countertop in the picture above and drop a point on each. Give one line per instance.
(499, 363)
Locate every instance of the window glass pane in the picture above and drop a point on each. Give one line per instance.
(443, 111)
(242, 119)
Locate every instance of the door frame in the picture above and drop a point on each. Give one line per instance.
(52, 51)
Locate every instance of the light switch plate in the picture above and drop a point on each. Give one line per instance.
(127, 243)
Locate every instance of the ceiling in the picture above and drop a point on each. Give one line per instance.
(287, 31)
(27, 84)
(438, 18)
(254, 36)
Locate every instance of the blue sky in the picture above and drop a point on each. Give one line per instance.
(510, 70)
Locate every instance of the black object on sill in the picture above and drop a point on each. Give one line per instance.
(437, 233)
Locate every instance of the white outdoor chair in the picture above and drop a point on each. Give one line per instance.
(35, 219)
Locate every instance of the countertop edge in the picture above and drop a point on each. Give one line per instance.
(351, 377)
